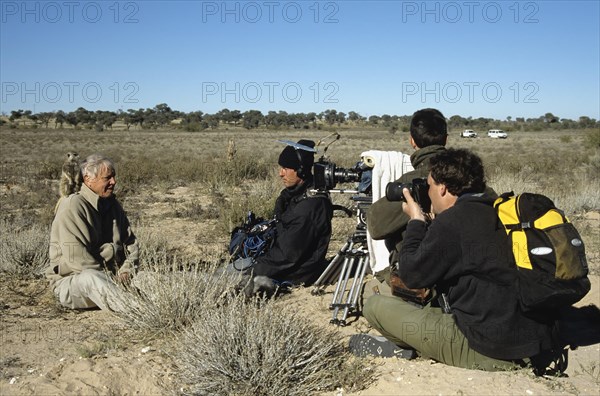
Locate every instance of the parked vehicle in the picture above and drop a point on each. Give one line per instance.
(468, 133)
(497, 134)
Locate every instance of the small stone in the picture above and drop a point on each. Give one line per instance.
(146, 349)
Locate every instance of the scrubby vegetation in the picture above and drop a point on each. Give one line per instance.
(220, 342)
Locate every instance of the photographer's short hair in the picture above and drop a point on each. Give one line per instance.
(92, 165)
(428, 127)
(460, 170)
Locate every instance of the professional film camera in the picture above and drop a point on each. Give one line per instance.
(327, 175)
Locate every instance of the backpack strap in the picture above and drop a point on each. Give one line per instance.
(509, 217)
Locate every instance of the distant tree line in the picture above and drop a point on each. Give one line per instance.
(162, 116)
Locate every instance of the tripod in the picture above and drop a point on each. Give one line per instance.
(354, 256)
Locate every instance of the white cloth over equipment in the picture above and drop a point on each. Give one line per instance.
(387, 166)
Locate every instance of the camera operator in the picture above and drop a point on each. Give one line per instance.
(385, 219)
(463, 254)
(303, 225)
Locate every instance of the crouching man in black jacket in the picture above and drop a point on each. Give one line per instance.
(303, 225)
(464, 255)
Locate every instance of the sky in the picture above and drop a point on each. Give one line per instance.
(493, 59)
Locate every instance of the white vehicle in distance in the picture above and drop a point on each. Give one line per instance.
(497, 134)
(468, 133)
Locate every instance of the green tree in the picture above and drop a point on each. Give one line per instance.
(210, 121)
(162, 114)
(550, 118)
(586, 122)
(45, 117)
(374, 120)
(15, 115)
(330, 116)
(60, 118)
(354, 116)
(252, 119)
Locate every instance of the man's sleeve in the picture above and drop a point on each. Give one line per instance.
(73, 239)
(131, 254)
(385, 219)
(130, 245)
(426, 254)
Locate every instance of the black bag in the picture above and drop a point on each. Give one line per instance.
(253, 238)
(547, 251)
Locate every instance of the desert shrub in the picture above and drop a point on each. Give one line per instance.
(256, 195)
(163, 302)
(261, 349)
(593, 138)
(24, 251)
(504, 178)
(580, 196)
(565, 139)
(155, 251)
(168, 293)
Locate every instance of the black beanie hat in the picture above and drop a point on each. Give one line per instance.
(298, 159)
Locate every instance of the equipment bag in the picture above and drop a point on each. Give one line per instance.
(547, 250)
(253, 238)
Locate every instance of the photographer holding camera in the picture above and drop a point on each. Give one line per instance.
(385, 219)
(303, 223)
(478, 323)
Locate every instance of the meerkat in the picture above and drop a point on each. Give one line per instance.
(71, 178)
(231, 150)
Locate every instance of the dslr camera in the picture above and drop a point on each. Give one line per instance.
(418, 189)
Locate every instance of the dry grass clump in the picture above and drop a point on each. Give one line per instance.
(24, 257)
(24, 251)
(163, 302)
(261, 349)
(168, 294)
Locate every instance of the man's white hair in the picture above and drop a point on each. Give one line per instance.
(94, 163)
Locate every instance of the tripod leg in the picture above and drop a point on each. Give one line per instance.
(330, 268)
(355, 289)
(341, 287)
(338, 285)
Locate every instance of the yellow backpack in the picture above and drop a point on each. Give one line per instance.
(548, 252)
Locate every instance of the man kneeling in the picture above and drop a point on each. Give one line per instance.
(463, 255)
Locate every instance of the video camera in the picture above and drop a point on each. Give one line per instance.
(327, 175)
(418, 190)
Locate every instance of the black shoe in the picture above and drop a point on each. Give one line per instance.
(363, 345)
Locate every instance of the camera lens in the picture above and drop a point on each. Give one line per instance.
(393, 191)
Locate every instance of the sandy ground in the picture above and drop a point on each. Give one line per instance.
(46, 350)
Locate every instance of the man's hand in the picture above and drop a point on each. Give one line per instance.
(411, 207)
(109, 251)
(123, 278)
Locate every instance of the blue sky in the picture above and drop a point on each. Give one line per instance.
(472, 58)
